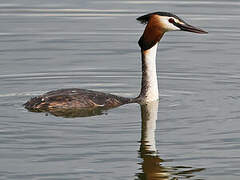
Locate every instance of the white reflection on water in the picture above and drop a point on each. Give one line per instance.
(152, 165)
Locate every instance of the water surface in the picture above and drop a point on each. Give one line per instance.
(193, 131)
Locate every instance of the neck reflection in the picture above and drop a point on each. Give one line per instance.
(152, 167)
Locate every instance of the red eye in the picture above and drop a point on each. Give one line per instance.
(171, 20)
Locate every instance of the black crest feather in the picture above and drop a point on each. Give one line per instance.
(145, 18)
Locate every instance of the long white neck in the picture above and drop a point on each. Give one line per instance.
(149, 89)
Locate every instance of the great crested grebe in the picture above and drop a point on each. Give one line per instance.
(157, 24)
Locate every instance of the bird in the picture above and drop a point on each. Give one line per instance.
(157, 24)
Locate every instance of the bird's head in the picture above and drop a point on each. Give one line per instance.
(160, 22)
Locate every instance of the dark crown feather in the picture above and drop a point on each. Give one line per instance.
(145, 18)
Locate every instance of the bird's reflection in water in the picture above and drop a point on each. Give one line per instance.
(152, 167)
(73, 113)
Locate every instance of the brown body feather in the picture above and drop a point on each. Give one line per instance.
(74, 99)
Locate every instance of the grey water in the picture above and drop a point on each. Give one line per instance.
(193, 132)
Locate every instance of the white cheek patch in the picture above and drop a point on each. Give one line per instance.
(167, 25)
